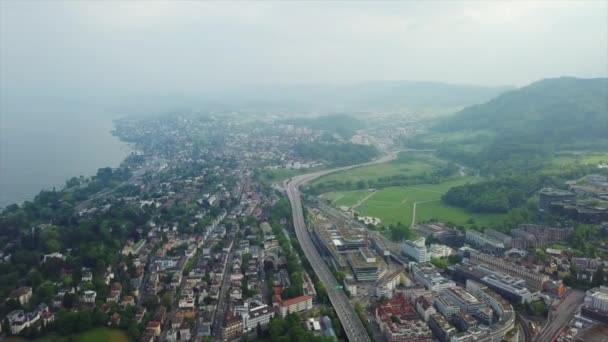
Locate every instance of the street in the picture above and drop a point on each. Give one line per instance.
(559, 318)
(353, 327)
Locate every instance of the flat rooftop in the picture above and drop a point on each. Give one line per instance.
(433, 228)
(464, 295)
(357, 260)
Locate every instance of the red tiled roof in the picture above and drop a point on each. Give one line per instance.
(153, 324)
(398, 306)
(296, 300)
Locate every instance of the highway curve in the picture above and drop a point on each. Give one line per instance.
(355, 331)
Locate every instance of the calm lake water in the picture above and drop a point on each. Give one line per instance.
(40, 149)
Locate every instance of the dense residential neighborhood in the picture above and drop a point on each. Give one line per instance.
(192, 238)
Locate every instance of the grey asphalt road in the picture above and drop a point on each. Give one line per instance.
(559, 318)
(353, 327)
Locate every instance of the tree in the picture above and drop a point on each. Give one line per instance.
(166, 300)
(440, 263)
(339, 275)
(99, 318)
(399, 232)
(34, 278)
(454, 259)
(133, 331)
(68, 300)
(151, 303)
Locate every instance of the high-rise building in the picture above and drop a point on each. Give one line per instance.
(416, 250)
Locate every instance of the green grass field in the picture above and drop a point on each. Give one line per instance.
(563, 161)
(446, 213)
(94, 335)
(395, 204)
(346, 198)
(408, 164)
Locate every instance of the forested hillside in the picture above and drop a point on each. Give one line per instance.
(562, 111)
(520, 128)
(514, 137)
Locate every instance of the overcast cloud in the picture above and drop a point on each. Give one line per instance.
(143, 48)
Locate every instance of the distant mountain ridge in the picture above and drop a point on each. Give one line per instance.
(559, 111)
(368, 95)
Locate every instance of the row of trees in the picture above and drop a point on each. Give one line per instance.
(289, 329)
(497, 195)
(336, 154)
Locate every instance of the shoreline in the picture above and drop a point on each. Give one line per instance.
(125, 148)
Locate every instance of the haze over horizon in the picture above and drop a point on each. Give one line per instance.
(146, 48)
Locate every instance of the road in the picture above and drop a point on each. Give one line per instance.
(559, 318)
(525, 329)
(218, 317)
(414, 211)
(353, 327)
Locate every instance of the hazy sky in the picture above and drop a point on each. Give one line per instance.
(137, 47)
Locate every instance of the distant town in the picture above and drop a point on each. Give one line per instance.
(193, 239)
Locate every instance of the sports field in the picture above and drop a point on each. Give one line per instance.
(396, 204)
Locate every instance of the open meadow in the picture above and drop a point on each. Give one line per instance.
(396, 204)
(407, 164)
(563, 161)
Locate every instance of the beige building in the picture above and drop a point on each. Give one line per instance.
(297, 304)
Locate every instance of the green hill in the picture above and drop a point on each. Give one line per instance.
(559, 111)
(516, 131)
(513, 140)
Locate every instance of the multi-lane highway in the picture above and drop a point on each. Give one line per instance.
(353, 327)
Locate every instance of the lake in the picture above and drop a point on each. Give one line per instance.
(42, 148)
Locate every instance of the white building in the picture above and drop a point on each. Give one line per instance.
(416, 250)
(89, 296)
(424, 307)
(597, 298)
(236, 293)
(186, 302)
(428, 276)
(254, 314)
(440, 251)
